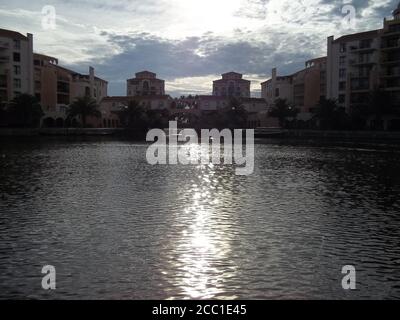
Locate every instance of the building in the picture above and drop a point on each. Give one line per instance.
(16, 64)
(309, 87)
(204, 105)
(145, 83)
(116, 103)
(352, 67)
(303, 89)
(89, 85)
(232, 84)
(360, 63)
(57, 87)
(278, 87)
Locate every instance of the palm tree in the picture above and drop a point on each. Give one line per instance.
(84, 107)
(236, 114)
(134, 116)
(25, 111)
(283, 110)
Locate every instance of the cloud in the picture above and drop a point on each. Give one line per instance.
(189, 42)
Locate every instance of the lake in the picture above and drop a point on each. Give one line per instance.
(115, 227)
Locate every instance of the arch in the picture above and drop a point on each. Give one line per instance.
(60, 123)
(49, 122)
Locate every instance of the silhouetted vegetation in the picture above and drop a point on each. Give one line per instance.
(234, 116)
(283, 111)
(24, 111)
(83, 107)
(330, 116)
(138, 119)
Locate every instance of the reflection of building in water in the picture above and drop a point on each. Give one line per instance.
(232, 84)
(145, 84)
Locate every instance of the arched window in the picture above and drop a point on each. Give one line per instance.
(231, 89)
(146, 88)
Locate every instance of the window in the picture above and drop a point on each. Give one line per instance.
(342, 73)
(17, 83)
(342, 85)
(17, 44)
(342, 98)
(277, 92)
(17, 70)
(342, 60)
(17, 57)
(343, 47)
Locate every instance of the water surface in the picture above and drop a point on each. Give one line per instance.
(117, 228)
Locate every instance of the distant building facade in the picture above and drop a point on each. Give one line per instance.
(278, 87)
(145, 83)
(303, 89)
(232, 84)
(16, 64)
(57, 87)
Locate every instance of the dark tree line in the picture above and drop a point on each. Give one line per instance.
(24, 111)
(329, 115)
(139, 119)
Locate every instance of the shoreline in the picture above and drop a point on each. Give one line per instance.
(378, 137)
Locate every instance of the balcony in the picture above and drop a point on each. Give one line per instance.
(394, 73)
(361, 62)
(392, 44)
(4, 59)
(4, 45)
(361, 49)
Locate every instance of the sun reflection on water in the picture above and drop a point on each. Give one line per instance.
(204, 246)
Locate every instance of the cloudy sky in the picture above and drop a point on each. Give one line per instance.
(189, 43)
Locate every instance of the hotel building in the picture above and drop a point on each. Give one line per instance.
(145, 83)
(362, 62)
(232, 84)
(16, 64)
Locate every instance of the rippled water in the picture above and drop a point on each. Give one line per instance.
(117, 228)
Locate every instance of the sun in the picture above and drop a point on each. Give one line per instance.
(200, 16)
